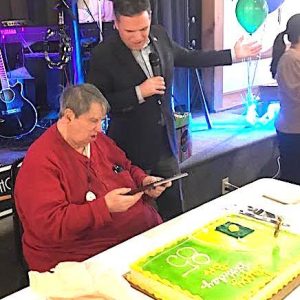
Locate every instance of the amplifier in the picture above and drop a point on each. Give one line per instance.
(11, 23)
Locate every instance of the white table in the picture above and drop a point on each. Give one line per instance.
(123, 254)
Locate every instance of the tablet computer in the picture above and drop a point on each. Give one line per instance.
(157, 183)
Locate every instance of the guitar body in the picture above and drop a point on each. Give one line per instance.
(18, 116)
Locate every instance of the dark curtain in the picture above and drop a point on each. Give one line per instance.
(173, 15)
(13, 10)
(154, 8)
(37, 12)
(42, 12)
(5, 11)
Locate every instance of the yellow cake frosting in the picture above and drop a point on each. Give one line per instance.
(232, 258)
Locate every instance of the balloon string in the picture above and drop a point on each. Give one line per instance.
(249, 86)
(258, 56)
(279, 15)
(249, 96)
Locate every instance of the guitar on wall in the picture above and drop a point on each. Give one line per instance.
(18, 116)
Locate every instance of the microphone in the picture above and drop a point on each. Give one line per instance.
(155, 63)
(156, 69)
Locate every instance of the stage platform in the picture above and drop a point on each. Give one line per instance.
(232, 148)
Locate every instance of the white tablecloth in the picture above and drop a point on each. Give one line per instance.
(120, 256)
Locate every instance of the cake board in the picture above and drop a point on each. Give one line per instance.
(138, 288)
(284, 292)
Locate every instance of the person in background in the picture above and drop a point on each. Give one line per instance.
(99, 11)
(285, 67)
(139, 90)
(71, 190)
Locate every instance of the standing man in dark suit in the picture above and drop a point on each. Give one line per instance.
(142, 121)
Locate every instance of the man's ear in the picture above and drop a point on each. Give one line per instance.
(69, 114)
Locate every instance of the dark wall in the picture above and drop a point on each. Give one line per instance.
(182, 20)
(13, 9)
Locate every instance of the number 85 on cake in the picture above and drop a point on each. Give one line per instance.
(234, 257)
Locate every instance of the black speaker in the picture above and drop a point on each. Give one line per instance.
(37, 68)
(48, 83)
(55, 83)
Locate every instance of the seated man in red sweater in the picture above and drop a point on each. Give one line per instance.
(71, 189)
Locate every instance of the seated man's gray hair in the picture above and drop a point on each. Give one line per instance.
(79, 98)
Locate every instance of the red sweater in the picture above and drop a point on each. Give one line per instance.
(59, 224)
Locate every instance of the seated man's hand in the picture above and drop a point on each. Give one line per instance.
(117, 201)
(155, 192)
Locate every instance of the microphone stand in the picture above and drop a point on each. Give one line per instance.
(203, 100)
(198, 76)
(63, 7)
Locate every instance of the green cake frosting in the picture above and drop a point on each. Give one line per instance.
(214, 265)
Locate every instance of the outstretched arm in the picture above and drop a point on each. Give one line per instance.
(244, 50)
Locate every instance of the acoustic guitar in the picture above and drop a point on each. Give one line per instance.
(18, 116)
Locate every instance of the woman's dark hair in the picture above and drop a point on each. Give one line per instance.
(278, 50)
(293, 34)
(131, 8)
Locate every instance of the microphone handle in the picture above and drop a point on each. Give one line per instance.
(156, 70)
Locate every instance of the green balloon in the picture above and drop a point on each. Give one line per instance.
(251, 13)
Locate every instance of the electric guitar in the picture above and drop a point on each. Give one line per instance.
(18, 116)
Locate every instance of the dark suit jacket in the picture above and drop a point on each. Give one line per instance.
(136, 127)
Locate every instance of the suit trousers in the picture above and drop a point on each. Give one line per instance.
(169, 203)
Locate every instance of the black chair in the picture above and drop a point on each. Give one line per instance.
(18, 228)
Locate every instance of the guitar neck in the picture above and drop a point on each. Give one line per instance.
(3, 74)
